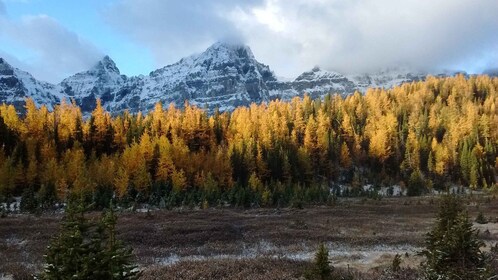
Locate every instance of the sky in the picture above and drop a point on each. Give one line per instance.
(53, 39)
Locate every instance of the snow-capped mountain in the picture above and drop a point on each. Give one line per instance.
(16, 85)
(224, 76)
(386, 79)
(315, 83)
(102, 81)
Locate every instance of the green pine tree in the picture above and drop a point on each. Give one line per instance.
(464, 161)
(87, 250)
(416, 184)
(453, 246)
(118, 257)
(323, 270)
(69, 253)
(29, 203)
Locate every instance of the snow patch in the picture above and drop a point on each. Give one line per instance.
(338, 253)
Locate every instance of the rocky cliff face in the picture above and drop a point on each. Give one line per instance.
(102, 81)
(16, 85)
(315, 83)
(224, 76)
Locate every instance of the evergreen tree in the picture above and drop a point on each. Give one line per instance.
(87, 250)
(453, 247)
(322, 269)
(68, 255)
(117, 258)
(416, 184)
(29, 203)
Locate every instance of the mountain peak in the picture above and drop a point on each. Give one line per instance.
(4, 62)
(5, 68)
(226, 75)
(227, 45)
(107, 59)
(106, 64)
(230, 50)
(317, 73)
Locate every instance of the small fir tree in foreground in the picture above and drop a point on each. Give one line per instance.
(453, 246)
(87, 250)
(322, 262)
(321, 266)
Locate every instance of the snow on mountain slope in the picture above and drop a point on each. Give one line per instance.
(16, 85)
(102, 81)
(315, 83)
(386, 79)
(224, 76)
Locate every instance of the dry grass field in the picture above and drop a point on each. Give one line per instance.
(362, 235)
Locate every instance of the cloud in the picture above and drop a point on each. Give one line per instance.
(362, 36)
(292, 36)
(175, 28)
(56, 51)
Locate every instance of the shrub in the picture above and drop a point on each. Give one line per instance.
(396, 264)
(480, 219)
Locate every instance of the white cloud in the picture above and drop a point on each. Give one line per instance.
(356, 36)
(271, 16)
(176, 28)
(292, 36)
(56, 51)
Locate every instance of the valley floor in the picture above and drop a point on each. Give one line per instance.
(362, 235)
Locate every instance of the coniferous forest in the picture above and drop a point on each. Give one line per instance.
(422, 136)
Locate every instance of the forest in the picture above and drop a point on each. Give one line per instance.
(422, 136)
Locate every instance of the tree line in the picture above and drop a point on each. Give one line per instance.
(420, 135)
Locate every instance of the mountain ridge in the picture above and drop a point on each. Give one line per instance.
(224, 76)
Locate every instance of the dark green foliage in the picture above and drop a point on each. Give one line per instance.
(102, 196)
(3, 212)
(46, 196)
(117, 260)
(453, 247)
(480, 219)
(8, 137)
(68, 254)
(86, 249)
(29, 203)
(396, 264)
(20, 154)
(322, 262)
(321, 267)
(154, 162)
(416, 184)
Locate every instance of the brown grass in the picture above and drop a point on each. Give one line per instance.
(265, 238)
(257, 269)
